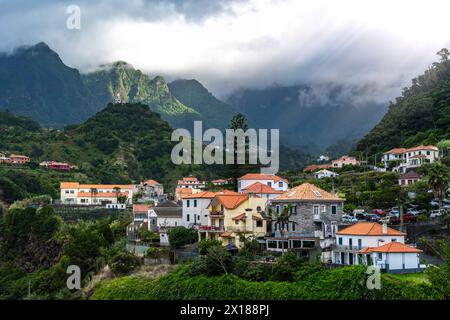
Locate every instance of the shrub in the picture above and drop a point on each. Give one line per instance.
(205, 244)
(124, 262)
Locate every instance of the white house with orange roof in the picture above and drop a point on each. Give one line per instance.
(371, 243)
(410, 158)
(345, 161)
(261, 190)
(190, 182)
(270, 180)
(195, 208)
(95, 194)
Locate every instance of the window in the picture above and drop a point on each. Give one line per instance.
(380, 256)
(293, 226)
(350, 243)
(277, 208)
(83, 200)
(258, 208)
(269, 184)
(359, 243)
(394, 240)
(324, 208)
(428, 153)
(198, 217)
(294, 209)
(236, 222)
(280, 184)
(259, 224)
(67, 191)
(72, 191)
(316, 209)
(195, 203)
(333, 209)
(188, 203)
(340, 241)
(187, 218)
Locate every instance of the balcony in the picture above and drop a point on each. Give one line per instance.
(238, 229)
(317, 217)
(211, 229)
(216, 214)
(347, 247)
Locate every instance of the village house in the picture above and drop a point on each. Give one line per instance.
(232, 216)
(324, 173)
(190, 182)
(315, 217)
(95, 194)
(371, 243)
(409, 178)
(150, 190)
(270, 180)
(261, 190)
(14, 159)
(345, 161)
(195, 208)
(180, 193)
(314, 167)
(59, 166)
(407, 159)
(220, 182)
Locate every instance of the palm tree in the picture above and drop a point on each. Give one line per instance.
(94, 193)
(438, 179)
(117, 192)
(283, 218)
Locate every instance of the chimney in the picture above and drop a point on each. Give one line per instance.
(384, 228)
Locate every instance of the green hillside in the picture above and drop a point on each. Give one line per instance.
(421, 115)
(135, 87)
(217, 114)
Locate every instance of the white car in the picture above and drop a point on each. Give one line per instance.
(437, 213)
(349, 219)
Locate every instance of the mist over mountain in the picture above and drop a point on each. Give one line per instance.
(35, 82)
(314, 115)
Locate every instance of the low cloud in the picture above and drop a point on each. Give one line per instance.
(230, 44)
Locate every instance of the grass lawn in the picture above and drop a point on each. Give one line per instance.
(415, 277)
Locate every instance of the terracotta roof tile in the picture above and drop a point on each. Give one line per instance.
(231, 201)
(308, 192)
(262, 176)
(392, 247)
(259, 187)
(141, 207)
(369, 229)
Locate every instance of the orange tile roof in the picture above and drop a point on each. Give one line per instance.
(239, 217)
(259, 187)
(226, 234)
(308, 192)
(314, 167)
(76, 185)
(421, 147)
(369, 229)
(152, 182)
(261, 176)
(231, 201)
(183, 191)
(396, 151)
(227, 192)
(203, 194)
(392, 247)
(102, 194)
(141, 207)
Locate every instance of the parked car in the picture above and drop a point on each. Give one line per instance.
(349, 219)
(407, 217)
(379, 212)
(361, 216)
(437, 213)
(412, 211)
(373, 217)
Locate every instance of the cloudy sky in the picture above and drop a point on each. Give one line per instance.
(242, 43)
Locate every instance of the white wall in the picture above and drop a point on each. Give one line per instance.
(200, 211)
(280, 185)
(368, 241)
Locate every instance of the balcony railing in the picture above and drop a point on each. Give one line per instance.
(317, 216)
(211, 229)
(348, 247)
(216, 213)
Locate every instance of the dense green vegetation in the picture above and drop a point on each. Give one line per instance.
(421, 115)
(135, 87)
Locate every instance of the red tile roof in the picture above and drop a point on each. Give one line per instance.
(231, 201)
(308, 192)
(151, 182)
(261, 176)
(261, 188)
(392, 247)
(396, 151)
(369, 229)
(141, 208)
(239, 217)
(315, 167)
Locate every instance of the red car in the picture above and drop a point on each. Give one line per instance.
(407, 217)
(379, 212)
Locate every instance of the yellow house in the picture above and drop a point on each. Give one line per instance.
(233, 216)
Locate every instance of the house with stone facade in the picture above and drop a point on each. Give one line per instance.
(314, 220)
